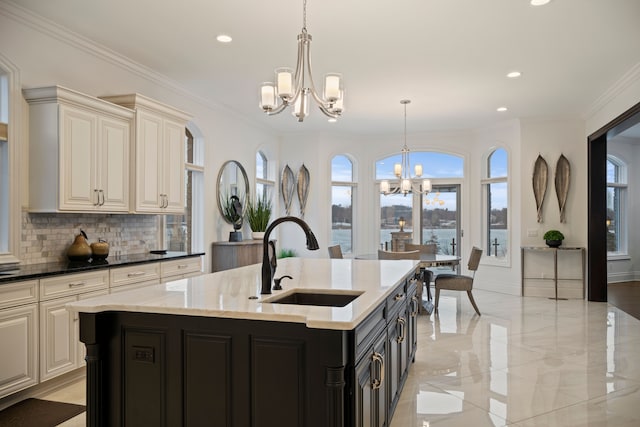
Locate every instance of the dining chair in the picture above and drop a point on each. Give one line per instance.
(335, 252)
(428, 248)
(425, 273)
(459, 282)
(398, 255)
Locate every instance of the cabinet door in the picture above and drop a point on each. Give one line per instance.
(113, 165)
(370, 405)
(58, 340)
(148, 162)
(19, 350)
(173, 176)
(78, 145)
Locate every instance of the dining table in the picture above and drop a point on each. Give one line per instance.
(426, 261)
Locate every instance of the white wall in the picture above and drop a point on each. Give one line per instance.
(53, 58)
(48, 56)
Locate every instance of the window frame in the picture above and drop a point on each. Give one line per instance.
(267, 180)
(485, 182)
(353, 185)
(621, 187)
(14, 158)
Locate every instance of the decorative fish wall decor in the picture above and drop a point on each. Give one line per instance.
(540, 177)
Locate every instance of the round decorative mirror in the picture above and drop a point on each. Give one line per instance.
(233, 192)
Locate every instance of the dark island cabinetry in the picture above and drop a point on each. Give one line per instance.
(174, 370)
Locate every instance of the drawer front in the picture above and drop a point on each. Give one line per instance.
(19, 293)
(73, 284)
(397, 299)
(134, 286)
(180, 267)
(367, 331)
(134, 274)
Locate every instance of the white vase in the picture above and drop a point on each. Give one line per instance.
(257, 235)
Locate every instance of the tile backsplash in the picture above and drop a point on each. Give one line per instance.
(47, 236)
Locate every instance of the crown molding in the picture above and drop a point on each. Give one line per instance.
(628, 79)
(49, 28)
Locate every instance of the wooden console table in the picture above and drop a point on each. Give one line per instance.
(555, 277)
(227, 255)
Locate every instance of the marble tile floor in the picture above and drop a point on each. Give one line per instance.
(526, 362)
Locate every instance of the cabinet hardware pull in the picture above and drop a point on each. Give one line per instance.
(181, 266)
(414, 299)
(95, 192)
(377, 359)
(76, 284)
(136, 274)
(101, 192)
(398, 297)
(403, 330)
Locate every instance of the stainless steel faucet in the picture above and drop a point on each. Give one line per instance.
(269, 263)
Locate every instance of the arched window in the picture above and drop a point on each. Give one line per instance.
(343, 187)
(496, 205)
(616, 206)
(429, 218)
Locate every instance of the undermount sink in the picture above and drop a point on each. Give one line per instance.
(315, 298)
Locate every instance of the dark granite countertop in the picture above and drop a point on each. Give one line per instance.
(36, 271)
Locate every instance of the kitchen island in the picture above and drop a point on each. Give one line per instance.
(210, 350)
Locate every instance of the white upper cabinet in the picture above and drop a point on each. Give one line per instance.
(79, 152)
(159, 147)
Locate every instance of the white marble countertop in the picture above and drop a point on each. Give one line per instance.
(226, 294)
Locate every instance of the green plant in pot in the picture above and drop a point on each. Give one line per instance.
(258, 215)
(553, 238)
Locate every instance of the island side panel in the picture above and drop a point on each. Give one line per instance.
(180, 370)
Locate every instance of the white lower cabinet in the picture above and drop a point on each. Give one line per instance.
(135, 276)
(60, 347)
(19, 349)
(180, 268)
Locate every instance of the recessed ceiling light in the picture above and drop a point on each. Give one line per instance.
(223, 38)
(332, 120)
(501, 109)
(514, 74)
(539, 2)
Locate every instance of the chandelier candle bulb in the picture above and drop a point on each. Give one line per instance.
(268, 96)
(332, 87)
(285, 82)
(406, 185)
(397, 169)
(426, 185)
(418, 169)
(384, 186)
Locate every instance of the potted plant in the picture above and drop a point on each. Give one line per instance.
(258, 215)
(232, 211)
(553, 238)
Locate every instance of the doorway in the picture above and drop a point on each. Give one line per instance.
(597, 201)
(440, 219)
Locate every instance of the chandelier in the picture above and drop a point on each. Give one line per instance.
(295, 87)
(408, 184)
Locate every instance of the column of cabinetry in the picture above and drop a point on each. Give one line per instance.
(79, 152)
(159, 154)
(382, 367)
(18, 336)
(60, 347)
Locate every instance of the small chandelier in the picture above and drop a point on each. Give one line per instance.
(403, 170)
(294, 88)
